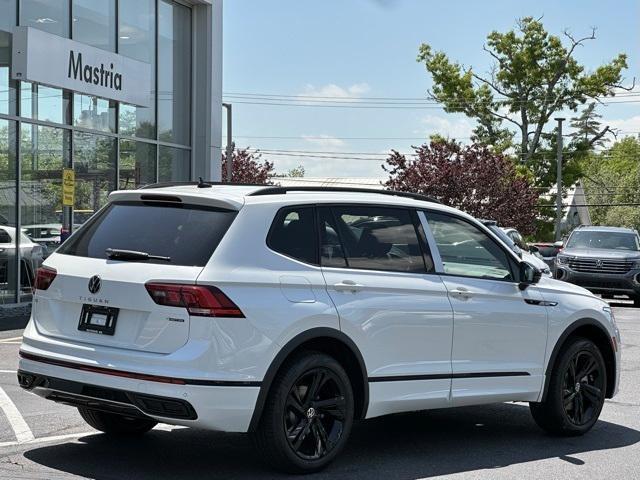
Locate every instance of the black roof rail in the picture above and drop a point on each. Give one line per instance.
(282, 190)
(203, 183)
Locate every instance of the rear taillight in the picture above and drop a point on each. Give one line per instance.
(44, 277)
(199, 300)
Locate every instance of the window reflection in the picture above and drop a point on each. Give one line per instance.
(8, 17)
(44, 152)
(94, 23)
(137, 164)
(44, 103)
(174, 78)
(136, 39)
(174, 165)
(94, 113)
(94, 161)
(49, 15)
(7, 86)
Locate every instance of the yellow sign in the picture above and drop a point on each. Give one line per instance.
(68, 186)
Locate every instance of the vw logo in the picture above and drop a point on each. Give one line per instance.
(599, 263)
(95, 284)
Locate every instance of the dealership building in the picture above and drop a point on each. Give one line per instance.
(95, 96)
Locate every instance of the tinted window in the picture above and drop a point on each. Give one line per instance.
(187, 234)
(466, 250)
(293, 234)
(378, 238)
(331, 251)
(547, 251)
(4, 237)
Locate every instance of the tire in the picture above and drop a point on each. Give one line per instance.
(300, 432)
(636, 301)
(114, 424)
(579, 381)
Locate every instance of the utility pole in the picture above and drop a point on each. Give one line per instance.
(559, 182)
(229, 141)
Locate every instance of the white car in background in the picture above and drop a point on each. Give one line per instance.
(32, 256)
(523, 254)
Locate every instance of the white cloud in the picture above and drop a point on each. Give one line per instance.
(459, 128)
(324, 141)
(332, 90)
(625, 125)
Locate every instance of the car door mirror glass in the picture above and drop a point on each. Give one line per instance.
(529, 275)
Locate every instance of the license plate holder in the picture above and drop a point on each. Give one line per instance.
(98, 319)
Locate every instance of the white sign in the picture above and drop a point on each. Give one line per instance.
(59, 62)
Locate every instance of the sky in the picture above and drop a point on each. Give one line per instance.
(362, 49)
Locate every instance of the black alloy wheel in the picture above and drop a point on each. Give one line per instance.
(576, 391)
(583, 392)
(308, 414)
(315, 412)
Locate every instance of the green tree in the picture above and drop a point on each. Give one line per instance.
(534, 75)
(587, 127)
(296, 172)
(613, 178)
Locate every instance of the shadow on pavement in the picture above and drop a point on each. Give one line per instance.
(405, 446)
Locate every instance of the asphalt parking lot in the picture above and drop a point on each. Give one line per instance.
(43, 440)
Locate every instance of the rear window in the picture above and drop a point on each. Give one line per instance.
(547, 251)
(188, 234)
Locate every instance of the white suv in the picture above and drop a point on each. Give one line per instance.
(289, 313)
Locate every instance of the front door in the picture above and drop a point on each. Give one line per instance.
(500, 331)
(391, 302)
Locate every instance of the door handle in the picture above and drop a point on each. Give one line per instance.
(461, 292)
(347, 286)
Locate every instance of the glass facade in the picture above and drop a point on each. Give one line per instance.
(109, 145)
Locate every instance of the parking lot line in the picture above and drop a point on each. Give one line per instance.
(11, 340)
(20, 428)
(53, 438)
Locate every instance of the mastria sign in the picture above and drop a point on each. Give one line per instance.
(59, 62)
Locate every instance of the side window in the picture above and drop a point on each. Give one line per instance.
(373, 238)
(4, 236)
(466, 250)
(293, 233)
(331, 251)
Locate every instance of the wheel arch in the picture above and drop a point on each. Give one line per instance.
(594, 331)
(332, 342)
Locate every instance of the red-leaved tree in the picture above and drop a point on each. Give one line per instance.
(471, 178)
(247, 167)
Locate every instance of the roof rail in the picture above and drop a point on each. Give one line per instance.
(203, 183)
(282, 190)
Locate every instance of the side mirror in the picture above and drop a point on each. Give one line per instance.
(559, 244)
(529, 275)
(533, 249)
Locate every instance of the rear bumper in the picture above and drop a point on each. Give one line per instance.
(225, 408)
(623, 284)
(131, 404)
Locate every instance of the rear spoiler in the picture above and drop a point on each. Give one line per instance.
(227, 202)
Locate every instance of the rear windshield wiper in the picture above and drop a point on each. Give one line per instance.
(118, 254)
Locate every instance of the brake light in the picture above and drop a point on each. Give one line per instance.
(199, 300)
(44, 277)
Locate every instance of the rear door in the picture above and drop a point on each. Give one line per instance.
(88, 282)
(391, 302)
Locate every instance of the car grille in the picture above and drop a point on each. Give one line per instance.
(596, 265)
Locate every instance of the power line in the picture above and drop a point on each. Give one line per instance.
(365, 105)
